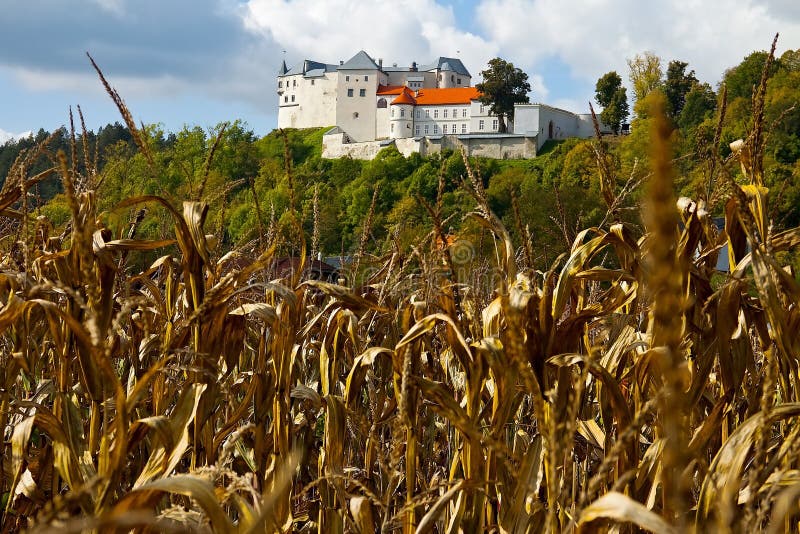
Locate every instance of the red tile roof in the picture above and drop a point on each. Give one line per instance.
(390, 89)
(406, 97)
(430, 96)
(452, 95)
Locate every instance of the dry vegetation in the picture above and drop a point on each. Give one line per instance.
(630, 387)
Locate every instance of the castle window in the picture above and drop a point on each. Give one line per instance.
(366, 78)
(494, 124)
(292, 98)
(435, 113)
(445, 114)
(480, 125)
(392, 112)
(427, 115)
(294, 83)
(347, 78)
(427, 129)
(392, 127)
(436, 128)
(464, 127)
(355, 114)
(285, 99)
(312, 82)
(455, 113)
(418, 114)
(481, 109)
(280, 84)
(458, 81)
(402, 112)
(452, 78)
(349, 92)
(362, 92)
(382, 103)
(416, 129)
(464, 113)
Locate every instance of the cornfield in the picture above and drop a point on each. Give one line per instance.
(632, 386)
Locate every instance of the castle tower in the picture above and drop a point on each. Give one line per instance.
(401, 119)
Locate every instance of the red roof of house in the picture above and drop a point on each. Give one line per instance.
(390, 89)
(406, 97)
(430, 96)
(451, 95)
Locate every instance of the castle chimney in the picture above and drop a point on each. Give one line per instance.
(414, 66)
(380, 63)
(341, 62)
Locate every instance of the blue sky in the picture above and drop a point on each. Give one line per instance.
(199, 62)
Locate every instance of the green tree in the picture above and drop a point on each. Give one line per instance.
(645, 74)
(610, 94)
(503, 86)
(742, 79)
(677, 86)
(790, 60)
(699, 104)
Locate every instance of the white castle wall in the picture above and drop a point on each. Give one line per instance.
(356, 114)
(307, 102)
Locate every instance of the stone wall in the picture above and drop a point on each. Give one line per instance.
(337, 144)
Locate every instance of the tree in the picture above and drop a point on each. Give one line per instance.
(610, 94)
(742, 79)
(503, 86)
(645, 74)
(699, 103)
(790, 60)
(677, 86)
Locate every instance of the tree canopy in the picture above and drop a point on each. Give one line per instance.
(645, 74)
(503, 86)
(677, 86)
(610, 94)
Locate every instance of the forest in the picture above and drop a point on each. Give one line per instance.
(248, 186)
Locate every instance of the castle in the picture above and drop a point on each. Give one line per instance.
(420, 108)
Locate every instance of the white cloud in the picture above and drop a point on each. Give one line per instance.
(595, 36)
(7, 136)
(115, 7)
(334, 30)
(89, 83)
(538, 88)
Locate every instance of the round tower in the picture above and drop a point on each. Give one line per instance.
(401, 118)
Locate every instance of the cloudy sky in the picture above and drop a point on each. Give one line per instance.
(200, 62)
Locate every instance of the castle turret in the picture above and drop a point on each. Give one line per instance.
(401, 120)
